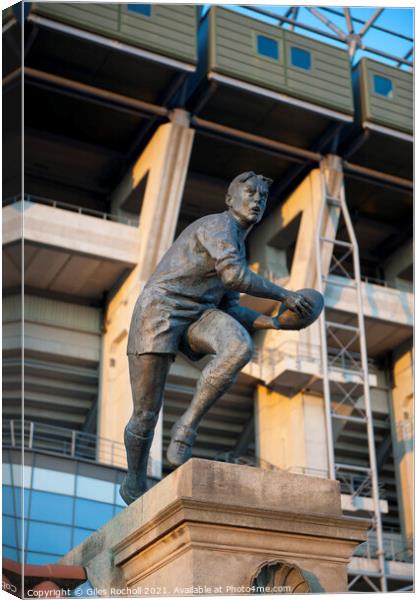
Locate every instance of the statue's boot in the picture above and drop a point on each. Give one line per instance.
(184, 431)
(135, 482)
(180, 446)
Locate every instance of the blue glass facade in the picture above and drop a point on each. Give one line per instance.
(60, 511)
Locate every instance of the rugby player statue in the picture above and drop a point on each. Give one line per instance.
(191, 305)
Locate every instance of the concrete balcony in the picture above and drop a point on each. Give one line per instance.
(294, 365)
(66, 250)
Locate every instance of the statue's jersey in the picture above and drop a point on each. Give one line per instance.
(200, 271)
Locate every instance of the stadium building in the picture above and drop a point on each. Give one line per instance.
(136, 118)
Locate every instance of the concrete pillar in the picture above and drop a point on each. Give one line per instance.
(165, 163)
(401, 260)
(290, 431)
(402, 422)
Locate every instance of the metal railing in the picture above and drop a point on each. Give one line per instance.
(81, 210)
(63, 442)
(303, 352)
(395, 548)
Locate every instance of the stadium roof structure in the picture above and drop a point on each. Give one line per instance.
(365, 31)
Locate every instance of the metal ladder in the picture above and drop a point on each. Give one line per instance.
(348, 405)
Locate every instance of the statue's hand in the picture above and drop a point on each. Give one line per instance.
(297, 303)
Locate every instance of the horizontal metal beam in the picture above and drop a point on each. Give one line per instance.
(386, 55)
(373, 25)
(85, 90)
(12, 76)
(377, 176)
(257, 140)
(370, 22)
(327, 22)
(281, 19)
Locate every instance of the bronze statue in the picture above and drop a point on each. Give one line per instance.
(191, 304)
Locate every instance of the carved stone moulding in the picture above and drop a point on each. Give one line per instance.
(279, 577)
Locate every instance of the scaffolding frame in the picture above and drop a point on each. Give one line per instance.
(344, 336)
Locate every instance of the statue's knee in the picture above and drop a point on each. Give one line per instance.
(242, 351)
(143, 422)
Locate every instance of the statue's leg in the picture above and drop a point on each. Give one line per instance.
(220, 335)
(148, 374)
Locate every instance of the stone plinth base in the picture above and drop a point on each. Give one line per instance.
(213, 527)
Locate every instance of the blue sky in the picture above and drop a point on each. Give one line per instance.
(400, 20)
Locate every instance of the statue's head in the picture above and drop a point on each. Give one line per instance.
(247, 197)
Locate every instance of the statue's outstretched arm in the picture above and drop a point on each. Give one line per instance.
(232, 269)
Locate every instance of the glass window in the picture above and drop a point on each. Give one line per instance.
(53, 481)
(36, 558)
(18, 501)
(17, 475)
(9, 531)
(382, 86)
(267, 47)
(118, 500)
(45, 537)
(11, 553)
(79, 535)
(8, 500)
(300, 58)
(95, 489)
(92, 515)
(140, 9)
(54, 508)
(7, 474)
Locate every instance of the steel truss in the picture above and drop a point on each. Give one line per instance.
(350, 401)
(353, 40)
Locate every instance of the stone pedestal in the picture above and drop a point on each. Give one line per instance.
(217, 528)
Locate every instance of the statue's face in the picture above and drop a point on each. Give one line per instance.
(248, 201)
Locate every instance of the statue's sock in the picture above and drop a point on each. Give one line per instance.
(138, 449)
(206, 394)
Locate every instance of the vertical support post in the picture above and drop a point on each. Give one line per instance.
(73, 443)
(31, 435)
(12, 433)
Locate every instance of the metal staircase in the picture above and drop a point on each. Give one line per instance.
(346, 402)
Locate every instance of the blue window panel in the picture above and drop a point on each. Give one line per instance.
(92, 515)
(54, 508)
(140, 9)
(47, 480)
(95, 489)
(8, 500)
(7, 474)
(79, 535)
(45, 537)
(267, 47)
(119, 509)
(18, 501)
(300, 58)
(11, 553)
(36, 558)
(9, 531)
(382, 86)
(118, 500)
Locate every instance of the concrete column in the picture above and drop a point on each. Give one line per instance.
(290, 431)
(402, 421)
(165, 163)
(400, 261)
